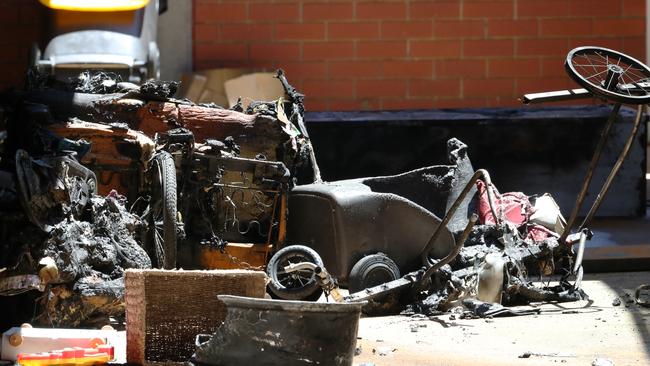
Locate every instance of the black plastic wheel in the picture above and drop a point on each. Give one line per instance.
(299, 285)
(610, 74)
(162, 211)
(372, 270)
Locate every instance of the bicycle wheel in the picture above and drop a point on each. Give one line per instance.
(610, 74)
(162, 211)
(299, 285)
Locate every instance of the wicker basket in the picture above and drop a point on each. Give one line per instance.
(165, 310)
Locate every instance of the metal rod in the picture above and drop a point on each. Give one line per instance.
(590, 172)
(581, 251)
(615, 169)
(555, 96)
(450, 213)
(450, 257)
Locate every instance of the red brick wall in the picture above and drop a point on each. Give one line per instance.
(348, 55)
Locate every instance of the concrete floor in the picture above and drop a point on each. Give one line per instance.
(567, 334)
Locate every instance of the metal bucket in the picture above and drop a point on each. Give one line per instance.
(279, 332)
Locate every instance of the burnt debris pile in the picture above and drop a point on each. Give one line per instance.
(98, 176)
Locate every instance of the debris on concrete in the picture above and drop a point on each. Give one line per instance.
(600, 361)
(641, 296)
(384, 351)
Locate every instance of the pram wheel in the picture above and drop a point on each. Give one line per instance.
(610, 74)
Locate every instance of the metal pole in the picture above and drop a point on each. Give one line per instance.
(590, 172)
(615, 169)
(450, 213)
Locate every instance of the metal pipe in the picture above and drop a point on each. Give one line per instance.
(450, 257)
(590, 173)
(581, 251)
(555, 96)
(450, 213)
(615, 169)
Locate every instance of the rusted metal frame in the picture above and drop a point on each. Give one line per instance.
(227, 185)
(450, 257)
(270, 233)
(481, 173)
(615, 169)
(590, 173)
(385, 288)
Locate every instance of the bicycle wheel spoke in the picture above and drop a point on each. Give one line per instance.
(594, 75)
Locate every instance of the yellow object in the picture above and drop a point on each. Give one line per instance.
(234, 256)
(95, 5)
(76, 356)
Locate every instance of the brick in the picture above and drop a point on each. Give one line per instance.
(365, 104)
(275, 51)
(620, 27)
(246, 32)
(512, 28)
(537, 85)
(300, 31)
(634, 8)
(327, 11)
(566, 27)
(381, 10)
(209, 13)
(401, 104)
(435, 10)
(501, 102)
(317, 105)
(465, 102)
(488, 9)
(606, 8)
(542, 47)
(328, 89)
(458, 28)
(437, 88)
(553, 67)
(514, 68)
(381, 88)
(487, 87)
(264, 12)
(546, 8)
(384, 49)
(407, 69)
(353, 30)
(410, 29)
(205, 32)
(220, 51)
(488, 47)
(461, 69)
(436, 49)
(635, 47)
(355, 69)
(303, 70)
(327, 50)
(603, 41)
